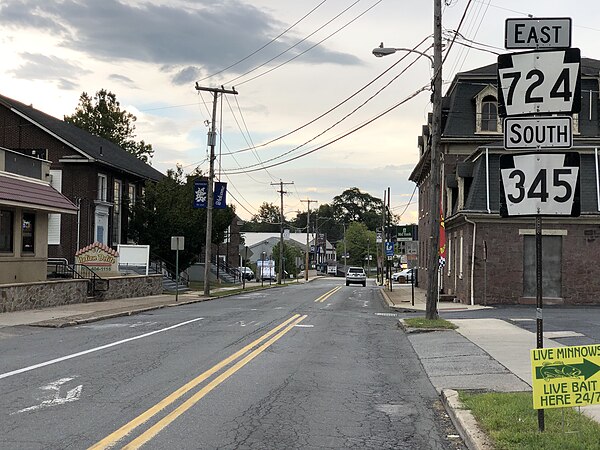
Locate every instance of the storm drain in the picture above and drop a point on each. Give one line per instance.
(386, 314)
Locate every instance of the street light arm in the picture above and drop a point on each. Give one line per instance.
(382, 51)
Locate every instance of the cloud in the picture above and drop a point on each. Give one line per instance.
(212, 34)
(122, 79)
(50, 68)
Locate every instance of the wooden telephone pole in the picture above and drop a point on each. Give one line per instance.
(212, 139)
(281, 192)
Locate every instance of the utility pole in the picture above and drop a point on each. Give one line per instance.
(281, 192)
(212, 139)
(436, 133)
(307, 236)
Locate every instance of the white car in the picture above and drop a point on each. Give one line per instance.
(406, 273)
(356, 275)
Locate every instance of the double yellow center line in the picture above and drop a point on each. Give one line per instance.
(270, 337)
(326, 295)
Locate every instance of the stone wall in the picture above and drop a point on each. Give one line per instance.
(24, 296)
(132, 286)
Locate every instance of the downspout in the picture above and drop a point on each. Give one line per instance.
(597, 179)
(472, 258)
(487, 179)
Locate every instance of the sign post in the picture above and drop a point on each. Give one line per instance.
(177, 243)
(545, 80)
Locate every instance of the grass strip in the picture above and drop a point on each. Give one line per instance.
(422, 322)
(509, 420)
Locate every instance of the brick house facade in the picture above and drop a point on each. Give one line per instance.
(491, 260)
(98, 176)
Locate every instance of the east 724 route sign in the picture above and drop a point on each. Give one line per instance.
(539, 184)
(540, 82)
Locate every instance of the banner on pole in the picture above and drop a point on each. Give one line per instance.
(220, 197)
(200, 193)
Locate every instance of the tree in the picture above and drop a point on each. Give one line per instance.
(266, 220)
(352, 205)
(102, 116)
(167, 210)
(290, 254)
(360, 242)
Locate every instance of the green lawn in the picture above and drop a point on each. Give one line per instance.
(511, 422)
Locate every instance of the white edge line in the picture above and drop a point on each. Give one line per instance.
(92, 350)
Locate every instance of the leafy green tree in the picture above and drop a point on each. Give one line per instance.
(102, 116)
(167, 210)
(290, 253)
(266, 220)
(352, 205)
(360, 242)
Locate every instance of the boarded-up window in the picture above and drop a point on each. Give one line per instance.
(54, 219)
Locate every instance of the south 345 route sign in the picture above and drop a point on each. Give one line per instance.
(539, 82)
(539, 184)
(565, 376)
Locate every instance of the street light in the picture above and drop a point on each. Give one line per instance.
(436, 132)
(382, 51)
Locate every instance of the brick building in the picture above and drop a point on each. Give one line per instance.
(491, 260)
(98, 176)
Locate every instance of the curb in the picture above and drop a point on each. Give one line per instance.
(465, 423)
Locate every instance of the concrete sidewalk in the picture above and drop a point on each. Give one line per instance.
(405, 296)
(483, 353)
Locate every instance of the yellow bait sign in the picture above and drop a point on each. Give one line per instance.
(565, 376)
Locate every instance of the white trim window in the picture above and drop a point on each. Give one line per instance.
(487, 119)
(102, 187)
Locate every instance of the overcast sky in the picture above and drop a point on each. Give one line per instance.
(291, 63)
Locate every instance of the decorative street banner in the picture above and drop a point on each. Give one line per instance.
(220, 197)
(200, 193)
(565, 376)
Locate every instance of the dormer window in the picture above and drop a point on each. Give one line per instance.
(489, 114)
(487, 119)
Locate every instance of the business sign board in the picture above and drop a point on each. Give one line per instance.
(406, 232)
(538, 132)
(565, 376)
(538, 33)
(539, 82)
(544, 184)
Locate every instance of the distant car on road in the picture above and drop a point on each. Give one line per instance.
(406, 273)
(247, 273)
(356, 275)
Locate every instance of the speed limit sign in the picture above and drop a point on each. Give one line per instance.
(539, 184)
(540, 82)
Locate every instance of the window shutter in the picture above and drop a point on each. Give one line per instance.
(54, 219)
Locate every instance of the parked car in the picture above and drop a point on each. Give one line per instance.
(356, 275)
(406, 273)
(247, 273)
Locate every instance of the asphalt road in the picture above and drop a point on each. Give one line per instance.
(311, 366)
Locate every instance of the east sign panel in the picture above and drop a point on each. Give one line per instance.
(540, 82)
(538, 33)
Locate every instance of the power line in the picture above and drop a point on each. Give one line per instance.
(330, 110)
(290, 48)
(424, 88)
(265, 45)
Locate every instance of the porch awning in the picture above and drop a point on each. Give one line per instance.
(33, 194)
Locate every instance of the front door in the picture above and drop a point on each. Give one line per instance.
(101, 224)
